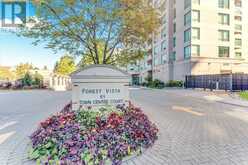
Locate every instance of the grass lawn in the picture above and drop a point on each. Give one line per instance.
(244, 95)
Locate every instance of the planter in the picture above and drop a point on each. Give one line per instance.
(106, 135)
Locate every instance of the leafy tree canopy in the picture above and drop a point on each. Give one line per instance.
(22, 69)
(102, 31)
(6, 74)
(27, 79)
(37, 79)
(65, 65)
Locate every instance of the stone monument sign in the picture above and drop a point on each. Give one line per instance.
(99, 85)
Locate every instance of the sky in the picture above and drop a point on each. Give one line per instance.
(15, 50)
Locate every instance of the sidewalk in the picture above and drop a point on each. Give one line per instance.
(225, 97)
(219, 96)
(233, 99)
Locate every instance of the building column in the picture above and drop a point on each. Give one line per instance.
(50, 82)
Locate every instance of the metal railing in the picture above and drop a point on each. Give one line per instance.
(218, 81)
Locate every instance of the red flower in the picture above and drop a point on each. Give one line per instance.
(114, 120)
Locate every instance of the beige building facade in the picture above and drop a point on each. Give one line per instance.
(198, 37)
(211, 37)
(52, 80)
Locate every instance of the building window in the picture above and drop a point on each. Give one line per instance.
(156, 61)
(164, 19)
(238, 33)
(224, 35)
(163, 59)
(223, 51)
(163, 46)
(195, 33)
(238, 54)
(224, 4)
(238, 18)
(238, 3)
(156, 50)
(196, 2)
(224, 19)
(174, 27)
(187, 3)
(195, 50)
(195, 15)
(238, 42)
(163, 32)
(174, 13)
(187, 35)
(174, 42)
(187, 19)
(187, 52)
(238, 27)
(173, 56)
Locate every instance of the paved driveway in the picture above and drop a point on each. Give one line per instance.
(20, 113)
(194, 128)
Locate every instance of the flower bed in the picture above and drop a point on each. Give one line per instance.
(92, 136)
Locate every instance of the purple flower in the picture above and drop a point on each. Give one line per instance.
(110, 137)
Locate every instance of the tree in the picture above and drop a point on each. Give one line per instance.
(65, 65)
(22, 69)
(37, 79)
(6, 74)
(27, 79)
(87, 60)
(118, 29)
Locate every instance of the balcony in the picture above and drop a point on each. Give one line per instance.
(238, 3)
(238, 34)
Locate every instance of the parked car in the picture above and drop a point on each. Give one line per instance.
(6, 85)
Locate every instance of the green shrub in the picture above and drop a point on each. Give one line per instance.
(37, 80)
(244, 95)
(32, 81)
(148, 79)
(27, 80)
(153, 83)
(144, 84)
(174, 83)
(157, 84)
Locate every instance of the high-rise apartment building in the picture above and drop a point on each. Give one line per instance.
(199, 37)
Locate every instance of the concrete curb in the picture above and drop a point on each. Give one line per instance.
(233, 104)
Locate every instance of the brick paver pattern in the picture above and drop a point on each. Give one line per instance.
(193, 130)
